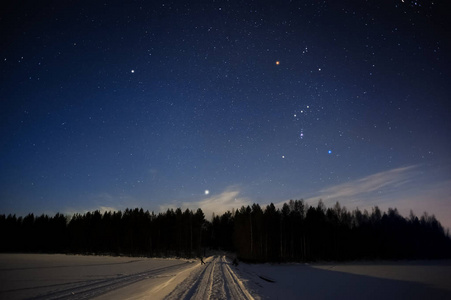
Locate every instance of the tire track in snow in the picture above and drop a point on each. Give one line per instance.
(236, 288)
(218, 284)
(203, 287)
(195, 284)
(92, 288)
(214, 281)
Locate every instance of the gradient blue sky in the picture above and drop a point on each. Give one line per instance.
(115, 104)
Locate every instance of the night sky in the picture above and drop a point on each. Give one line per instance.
(156, 104)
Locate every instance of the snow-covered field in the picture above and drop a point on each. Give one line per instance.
(40, 276)
(354, 280)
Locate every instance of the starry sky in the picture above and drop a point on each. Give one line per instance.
(217, 104)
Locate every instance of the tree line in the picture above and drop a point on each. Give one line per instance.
(296, 232)
(132, 232)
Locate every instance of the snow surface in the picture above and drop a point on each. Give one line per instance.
(355, 280)
(41, 276)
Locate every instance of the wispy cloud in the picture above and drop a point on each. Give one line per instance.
(368, 188)
(416, 188)
(104, 209)
(227, 200)
(102, 202)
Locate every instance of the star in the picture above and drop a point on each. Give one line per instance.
(207, 192)
(277, 62)
(132, 71)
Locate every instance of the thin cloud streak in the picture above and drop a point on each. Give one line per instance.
(369, 187)
(104, 202)
(407, 188)
(217, 204)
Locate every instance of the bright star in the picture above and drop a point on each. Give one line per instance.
(207, 192)
(133, 71)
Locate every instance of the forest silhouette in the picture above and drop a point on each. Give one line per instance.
(296, 232)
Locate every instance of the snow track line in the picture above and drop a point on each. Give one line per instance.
(238, 290)
(216, 281)
(93, 288)
(202, 288)
(211, 280)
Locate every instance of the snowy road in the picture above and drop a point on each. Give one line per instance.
(215, 280)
